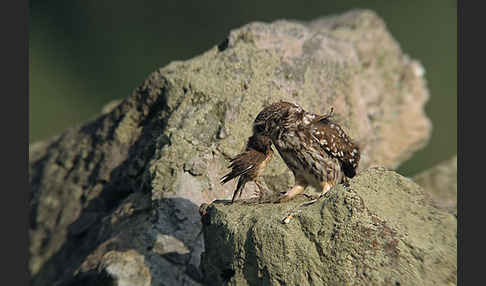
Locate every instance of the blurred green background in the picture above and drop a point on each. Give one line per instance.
(83, 54)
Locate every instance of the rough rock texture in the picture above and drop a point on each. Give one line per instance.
(127, 186)
(381, 230)
(440, 183)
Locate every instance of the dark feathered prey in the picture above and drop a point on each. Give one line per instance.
(313, 146)
(249, 164)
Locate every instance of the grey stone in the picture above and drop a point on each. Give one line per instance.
(379, 230)
(440, 183)
(141, 169)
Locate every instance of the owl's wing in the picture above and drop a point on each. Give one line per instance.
(243, 163)
(337, 144)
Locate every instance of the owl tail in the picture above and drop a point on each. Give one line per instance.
(349, 170)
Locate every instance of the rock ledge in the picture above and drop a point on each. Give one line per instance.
(379, 230)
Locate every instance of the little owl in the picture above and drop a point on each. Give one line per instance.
(315, 148)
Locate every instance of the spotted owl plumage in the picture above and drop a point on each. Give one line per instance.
(314, 147)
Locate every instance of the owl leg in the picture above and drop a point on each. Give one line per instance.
(298, 188)
(326, 186)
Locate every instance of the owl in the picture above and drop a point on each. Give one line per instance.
(314, 147)
(249, 164)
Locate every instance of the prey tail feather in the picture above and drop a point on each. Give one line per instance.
(235, 173)
(226, 178)
(239, 188)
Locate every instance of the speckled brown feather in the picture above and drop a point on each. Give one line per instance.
(314, 147)
(336, 143)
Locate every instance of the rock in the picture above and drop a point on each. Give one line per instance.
(380, 230)
(440, 183)
(133, 179)
(127, 268)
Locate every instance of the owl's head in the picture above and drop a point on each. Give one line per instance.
(277, 116)
(259, 142)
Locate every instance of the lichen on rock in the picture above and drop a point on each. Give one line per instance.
(141, 169)
(379, 230)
